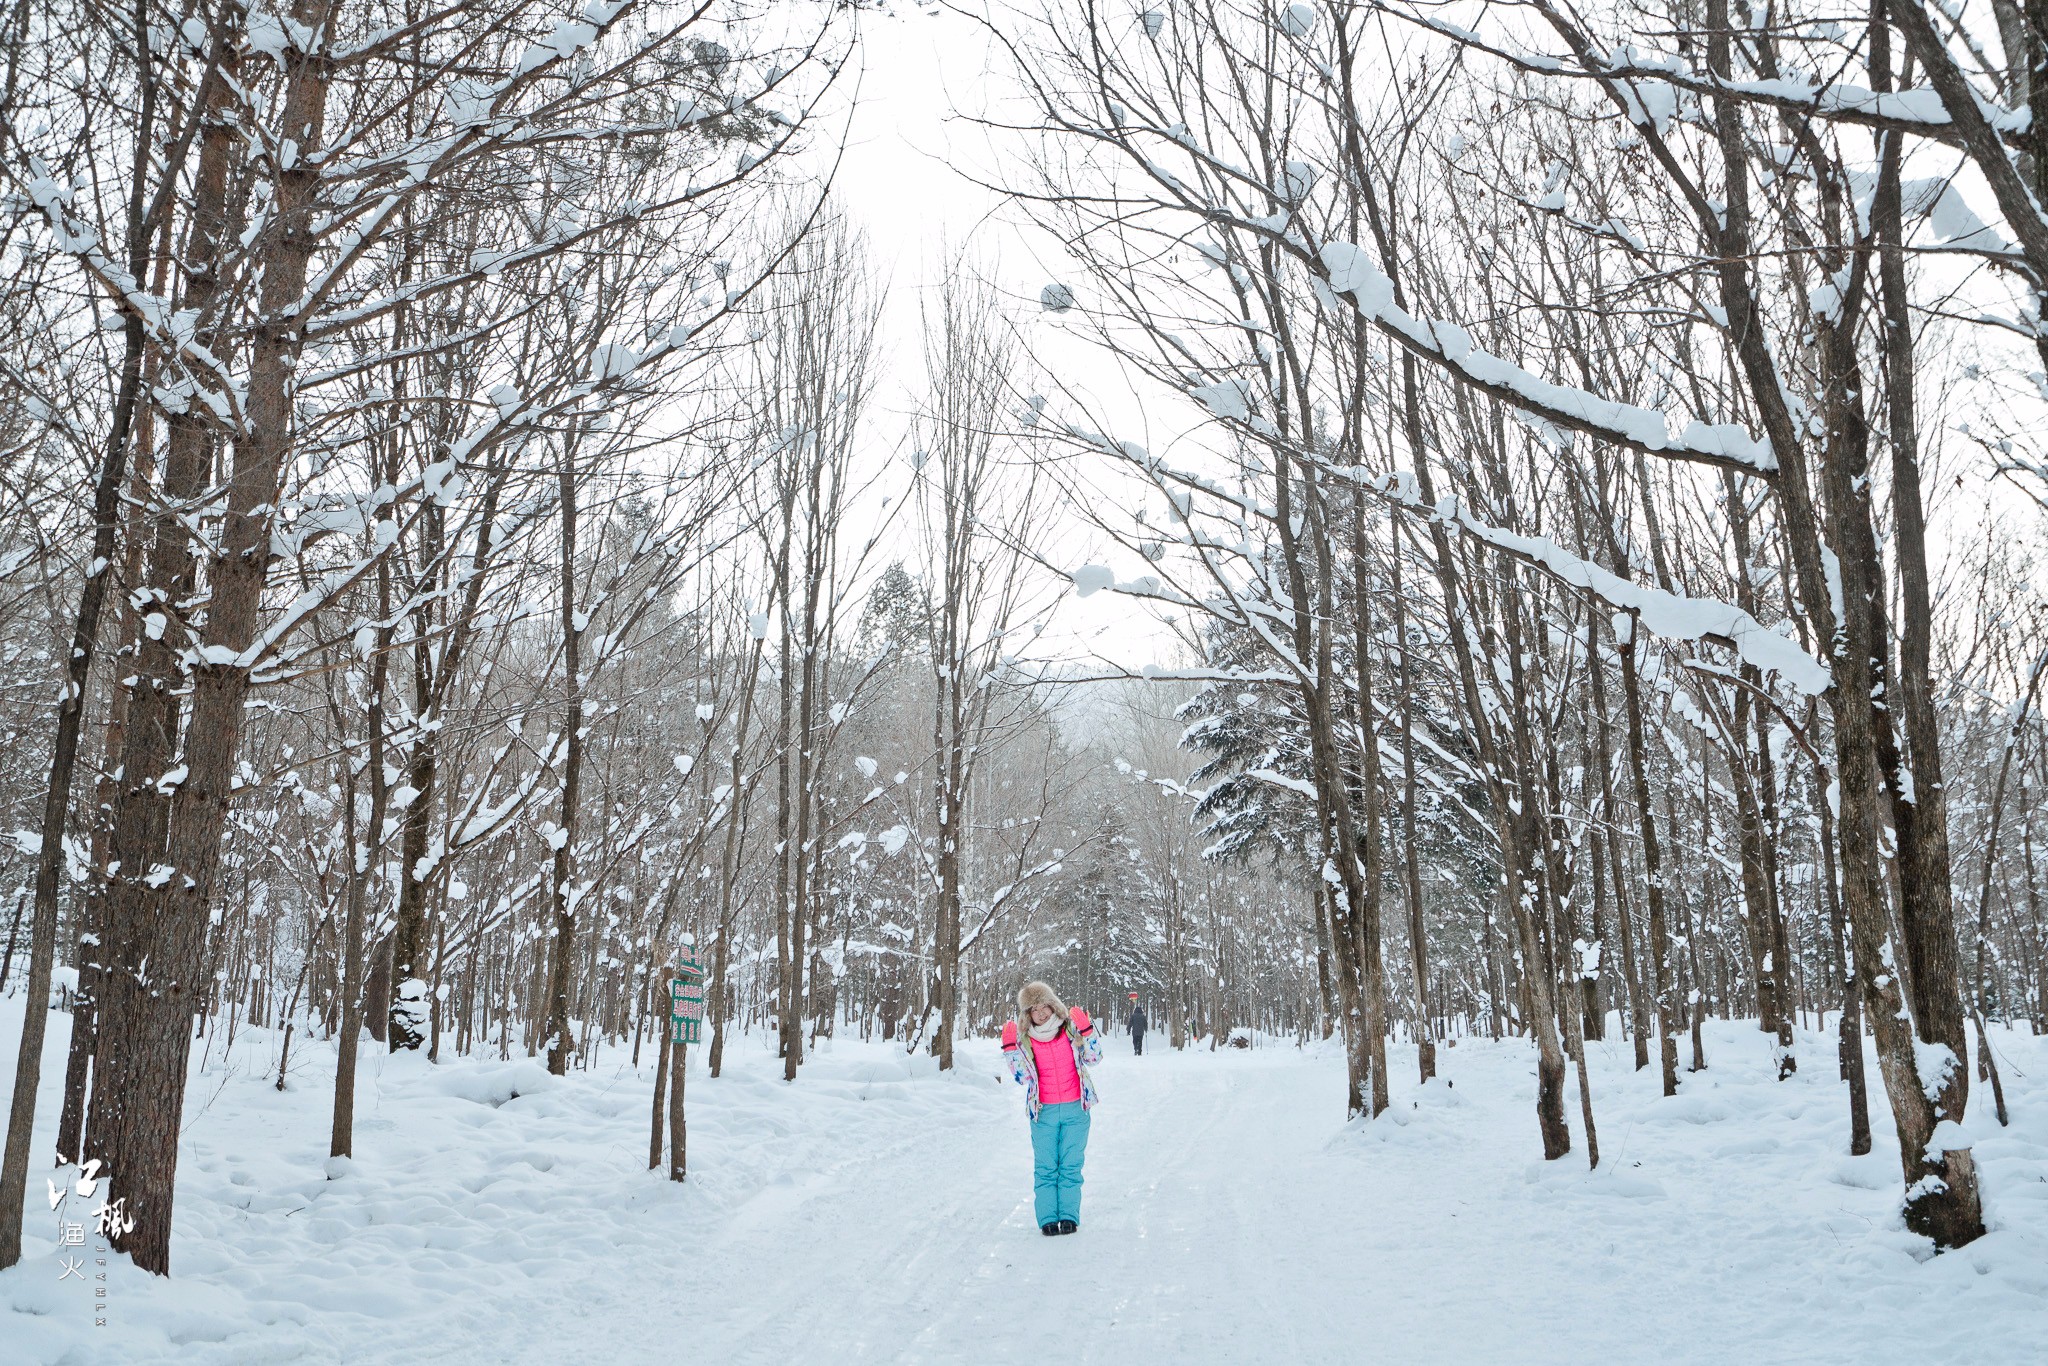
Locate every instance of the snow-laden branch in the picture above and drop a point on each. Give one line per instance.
(1272, 778)
(1918, 111)
(1338, 268)
(1662, 613)
(1349, 269)
(172, 330)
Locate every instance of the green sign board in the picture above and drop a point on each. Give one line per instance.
(686, 1002)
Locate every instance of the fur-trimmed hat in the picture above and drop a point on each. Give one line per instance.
(1039, 994)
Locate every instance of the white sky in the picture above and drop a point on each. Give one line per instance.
(901, 181)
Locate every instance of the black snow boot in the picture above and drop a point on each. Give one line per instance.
(1054, 1227)
(1065, 1226)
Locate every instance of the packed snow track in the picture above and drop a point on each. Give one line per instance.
(877, 1211)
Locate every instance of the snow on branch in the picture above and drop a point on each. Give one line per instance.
(1918, 111)
(1662, 613)
(1272, 778)
(173, 330)
(1348, 269)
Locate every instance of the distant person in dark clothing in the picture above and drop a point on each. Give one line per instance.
(1138, 1030)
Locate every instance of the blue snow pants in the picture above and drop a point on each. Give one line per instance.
(1059, 1140)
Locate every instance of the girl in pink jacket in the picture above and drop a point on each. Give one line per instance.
(1050, 1058)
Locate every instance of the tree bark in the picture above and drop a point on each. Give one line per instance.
(1411, 857)
(562, 949)
(1920, 797)
(1942, 1200)
(678, 1127)
(167, 837)
(1664, 973)
(106, 509)
(1638, 1002)
(365, 839)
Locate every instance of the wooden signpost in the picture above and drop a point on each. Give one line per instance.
(685, 1027)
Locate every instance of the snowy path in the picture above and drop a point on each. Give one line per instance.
(934, 1256)
(878, 1212)
(1202, 1181)
(1229, 1217)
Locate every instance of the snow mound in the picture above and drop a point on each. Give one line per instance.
(492, 1083)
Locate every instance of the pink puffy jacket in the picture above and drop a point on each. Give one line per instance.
(1079, 1033)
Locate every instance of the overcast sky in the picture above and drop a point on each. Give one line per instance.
(908, 178)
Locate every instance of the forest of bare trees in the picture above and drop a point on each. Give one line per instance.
(1574, 377)
(467, 536)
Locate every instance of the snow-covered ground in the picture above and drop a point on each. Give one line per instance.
(877, 1211)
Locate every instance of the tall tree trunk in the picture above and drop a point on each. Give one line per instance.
(106, 509)
(1596, 858)
(786, 796)
(1372, 843)
(1526, 891)
(1693, 983)
(1920, 801)
(1411, 856)
(1326, 982)
(365, 842)
(92, 919)
(562, 954)
(721, 956)
(160, 902)
(1570, 1015)
(1946, 1208)
(678, 1127)
(436, 665)
(800, 856)
(409, 927)
(1343, 856)
(1350, 1015)
(659, 1005)
(1774, 897)
(1610, 810)
(1664, 973)
(1758, 928)
(947, 946)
